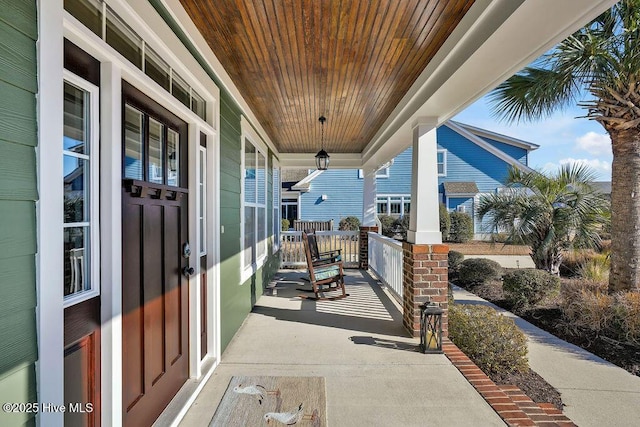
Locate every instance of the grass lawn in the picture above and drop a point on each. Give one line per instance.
(475, 247)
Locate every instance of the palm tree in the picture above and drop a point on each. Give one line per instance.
(598, 65)
(551, 214)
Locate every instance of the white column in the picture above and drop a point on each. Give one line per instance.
(49, 210)
(194, 260)
(369, 197)
(111, 250)
(424, 224)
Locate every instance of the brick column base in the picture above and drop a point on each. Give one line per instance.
(364, 246)
(424, 279)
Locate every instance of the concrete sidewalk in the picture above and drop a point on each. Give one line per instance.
(596, 393)
(374, 374)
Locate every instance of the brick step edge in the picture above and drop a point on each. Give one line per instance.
(510, 403)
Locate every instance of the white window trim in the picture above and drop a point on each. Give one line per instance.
(444, 162)
(249, 134)
(276, 208)
(382, 198)
(382, 173)
(94, 189)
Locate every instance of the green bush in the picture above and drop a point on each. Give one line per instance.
(478, 271)
(445, 221)
(350, 223)
(524, 288)
(492, 341)
(461, 227)
(455, 259)
(285, 224)
(595, 268)
(387, 222)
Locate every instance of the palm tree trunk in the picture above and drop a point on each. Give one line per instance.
(625, 210)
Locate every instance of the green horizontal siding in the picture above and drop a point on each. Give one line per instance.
(17, 58)
(15, 386)
(18, 193)
(17, 114)
(21, 15)
(17, 172)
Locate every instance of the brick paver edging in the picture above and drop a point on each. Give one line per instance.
(509, 402)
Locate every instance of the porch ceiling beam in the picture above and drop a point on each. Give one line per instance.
(308, 160)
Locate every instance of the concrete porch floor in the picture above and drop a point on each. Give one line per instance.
(374, 373)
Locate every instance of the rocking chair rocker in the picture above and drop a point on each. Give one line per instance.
(325, 272)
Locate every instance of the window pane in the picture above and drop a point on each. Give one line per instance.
(198, 105)
(180, 89)
(249, 235)
(89, 12)
(382, 208)
(76, 260)
(75, 119)
(440, 169)
(203, 199)
(407, 207)
(123, 39)
(76, 186)
(173, 154)
(261, 173)
(156, 68)
(133, 147)
(156, 144)
(262, 232)
(395, 205)
(249, 172)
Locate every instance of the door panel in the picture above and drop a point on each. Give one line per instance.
(155, 291)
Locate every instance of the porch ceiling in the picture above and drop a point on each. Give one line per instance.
(349, 60)
(372, 67)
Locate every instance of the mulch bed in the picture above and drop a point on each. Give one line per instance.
(533, 386)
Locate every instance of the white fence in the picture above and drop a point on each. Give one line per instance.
(292, 248)
(385, 259)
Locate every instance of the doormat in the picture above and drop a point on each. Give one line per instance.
(272, 401)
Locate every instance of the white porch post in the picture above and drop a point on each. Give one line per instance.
(369, 197)
(424, 222)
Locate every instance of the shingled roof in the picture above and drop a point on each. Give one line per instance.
(461, 187)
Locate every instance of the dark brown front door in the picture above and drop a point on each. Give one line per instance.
(154, 255)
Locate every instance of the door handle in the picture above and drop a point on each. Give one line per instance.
(188, 271)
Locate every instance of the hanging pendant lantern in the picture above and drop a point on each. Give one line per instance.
(322, 158)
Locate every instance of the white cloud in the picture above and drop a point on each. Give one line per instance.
(601, 167)
(594, 143)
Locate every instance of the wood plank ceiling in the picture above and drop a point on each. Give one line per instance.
(349, 60)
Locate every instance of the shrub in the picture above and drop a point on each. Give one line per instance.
(573, 260)
(402, 224)
(350, 223)
(285, 224)
(586, 306)
(523, 288)
(627, 316)
(478, 271)
(455, 259)
(492, 341)
(445, 221)
(461, 229)
(595, 268)
(387, 224)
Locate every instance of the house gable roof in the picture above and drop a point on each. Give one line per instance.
(484, 133)
(463, 131)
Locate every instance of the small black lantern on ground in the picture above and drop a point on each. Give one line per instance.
(431, 328)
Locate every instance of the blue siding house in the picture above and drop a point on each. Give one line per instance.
(471, 162)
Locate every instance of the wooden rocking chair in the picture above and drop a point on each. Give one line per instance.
(325, 273)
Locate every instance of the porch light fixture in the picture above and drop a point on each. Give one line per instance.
(322, 158)
(431, 328)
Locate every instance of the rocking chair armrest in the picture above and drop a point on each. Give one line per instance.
(338, 251)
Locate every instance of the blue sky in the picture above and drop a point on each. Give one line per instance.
(562, 138)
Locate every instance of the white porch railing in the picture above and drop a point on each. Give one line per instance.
(292, 248)
(385, 259)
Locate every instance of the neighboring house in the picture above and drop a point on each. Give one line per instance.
(471, 162)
